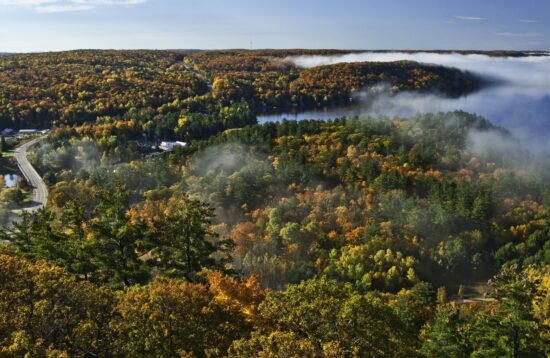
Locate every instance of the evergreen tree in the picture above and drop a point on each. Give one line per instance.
(183, 243)
(442, 337)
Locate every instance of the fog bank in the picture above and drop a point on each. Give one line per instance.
(520, 103)
(533, 71)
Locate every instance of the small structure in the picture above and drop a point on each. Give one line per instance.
(28, 131)
(7, 132)
(168, 146)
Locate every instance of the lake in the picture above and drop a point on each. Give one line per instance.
(11, 180)
(520, 102)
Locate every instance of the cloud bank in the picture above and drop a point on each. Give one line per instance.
(519, 34)
(470, 18)
(56, 6)
(533, 71)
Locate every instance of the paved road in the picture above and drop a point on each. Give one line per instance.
(40, 191)
(188, 66)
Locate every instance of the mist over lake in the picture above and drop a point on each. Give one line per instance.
(274, 178)
(519, 102)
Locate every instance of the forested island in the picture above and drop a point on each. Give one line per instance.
(356, 237)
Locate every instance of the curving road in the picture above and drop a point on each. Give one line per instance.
(40, 191)
(188, 66)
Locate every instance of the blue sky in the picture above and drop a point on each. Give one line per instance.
(44, 25)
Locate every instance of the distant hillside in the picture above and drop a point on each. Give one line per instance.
(147, 87)
(277, 84)
(331, 52)
(332, 83)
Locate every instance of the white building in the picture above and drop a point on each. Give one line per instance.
(7, 131)
(167, 146)
(29, 131)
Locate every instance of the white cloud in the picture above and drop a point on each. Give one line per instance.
(108, 2)
(55, 6)
(26, 2)
(518, 34)
(48, 9)
(528, 21)
(470, 18)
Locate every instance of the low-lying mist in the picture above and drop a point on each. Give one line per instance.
(532, 71)
(519, 102)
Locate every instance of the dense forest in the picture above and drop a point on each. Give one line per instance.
(159, 91)
(357, 237)
(274, 83)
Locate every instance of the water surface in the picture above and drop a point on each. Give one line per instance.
(11, 180)
(520, 103)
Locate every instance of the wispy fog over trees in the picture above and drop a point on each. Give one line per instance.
(355, 237)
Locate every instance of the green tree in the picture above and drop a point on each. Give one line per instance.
(511, 330)
(276, 344)
(35, 236)
(183, 242)
(173, 318)
(45, 312)
(118, 240)
(322, 317)
(11, 198)
(3, 145)
(105, 248)
(80, 251)
(443, 336)
(416, 306)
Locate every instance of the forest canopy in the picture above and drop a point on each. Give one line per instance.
(355, 237)
(154, 89)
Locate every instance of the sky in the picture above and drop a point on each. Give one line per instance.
(53, 25)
